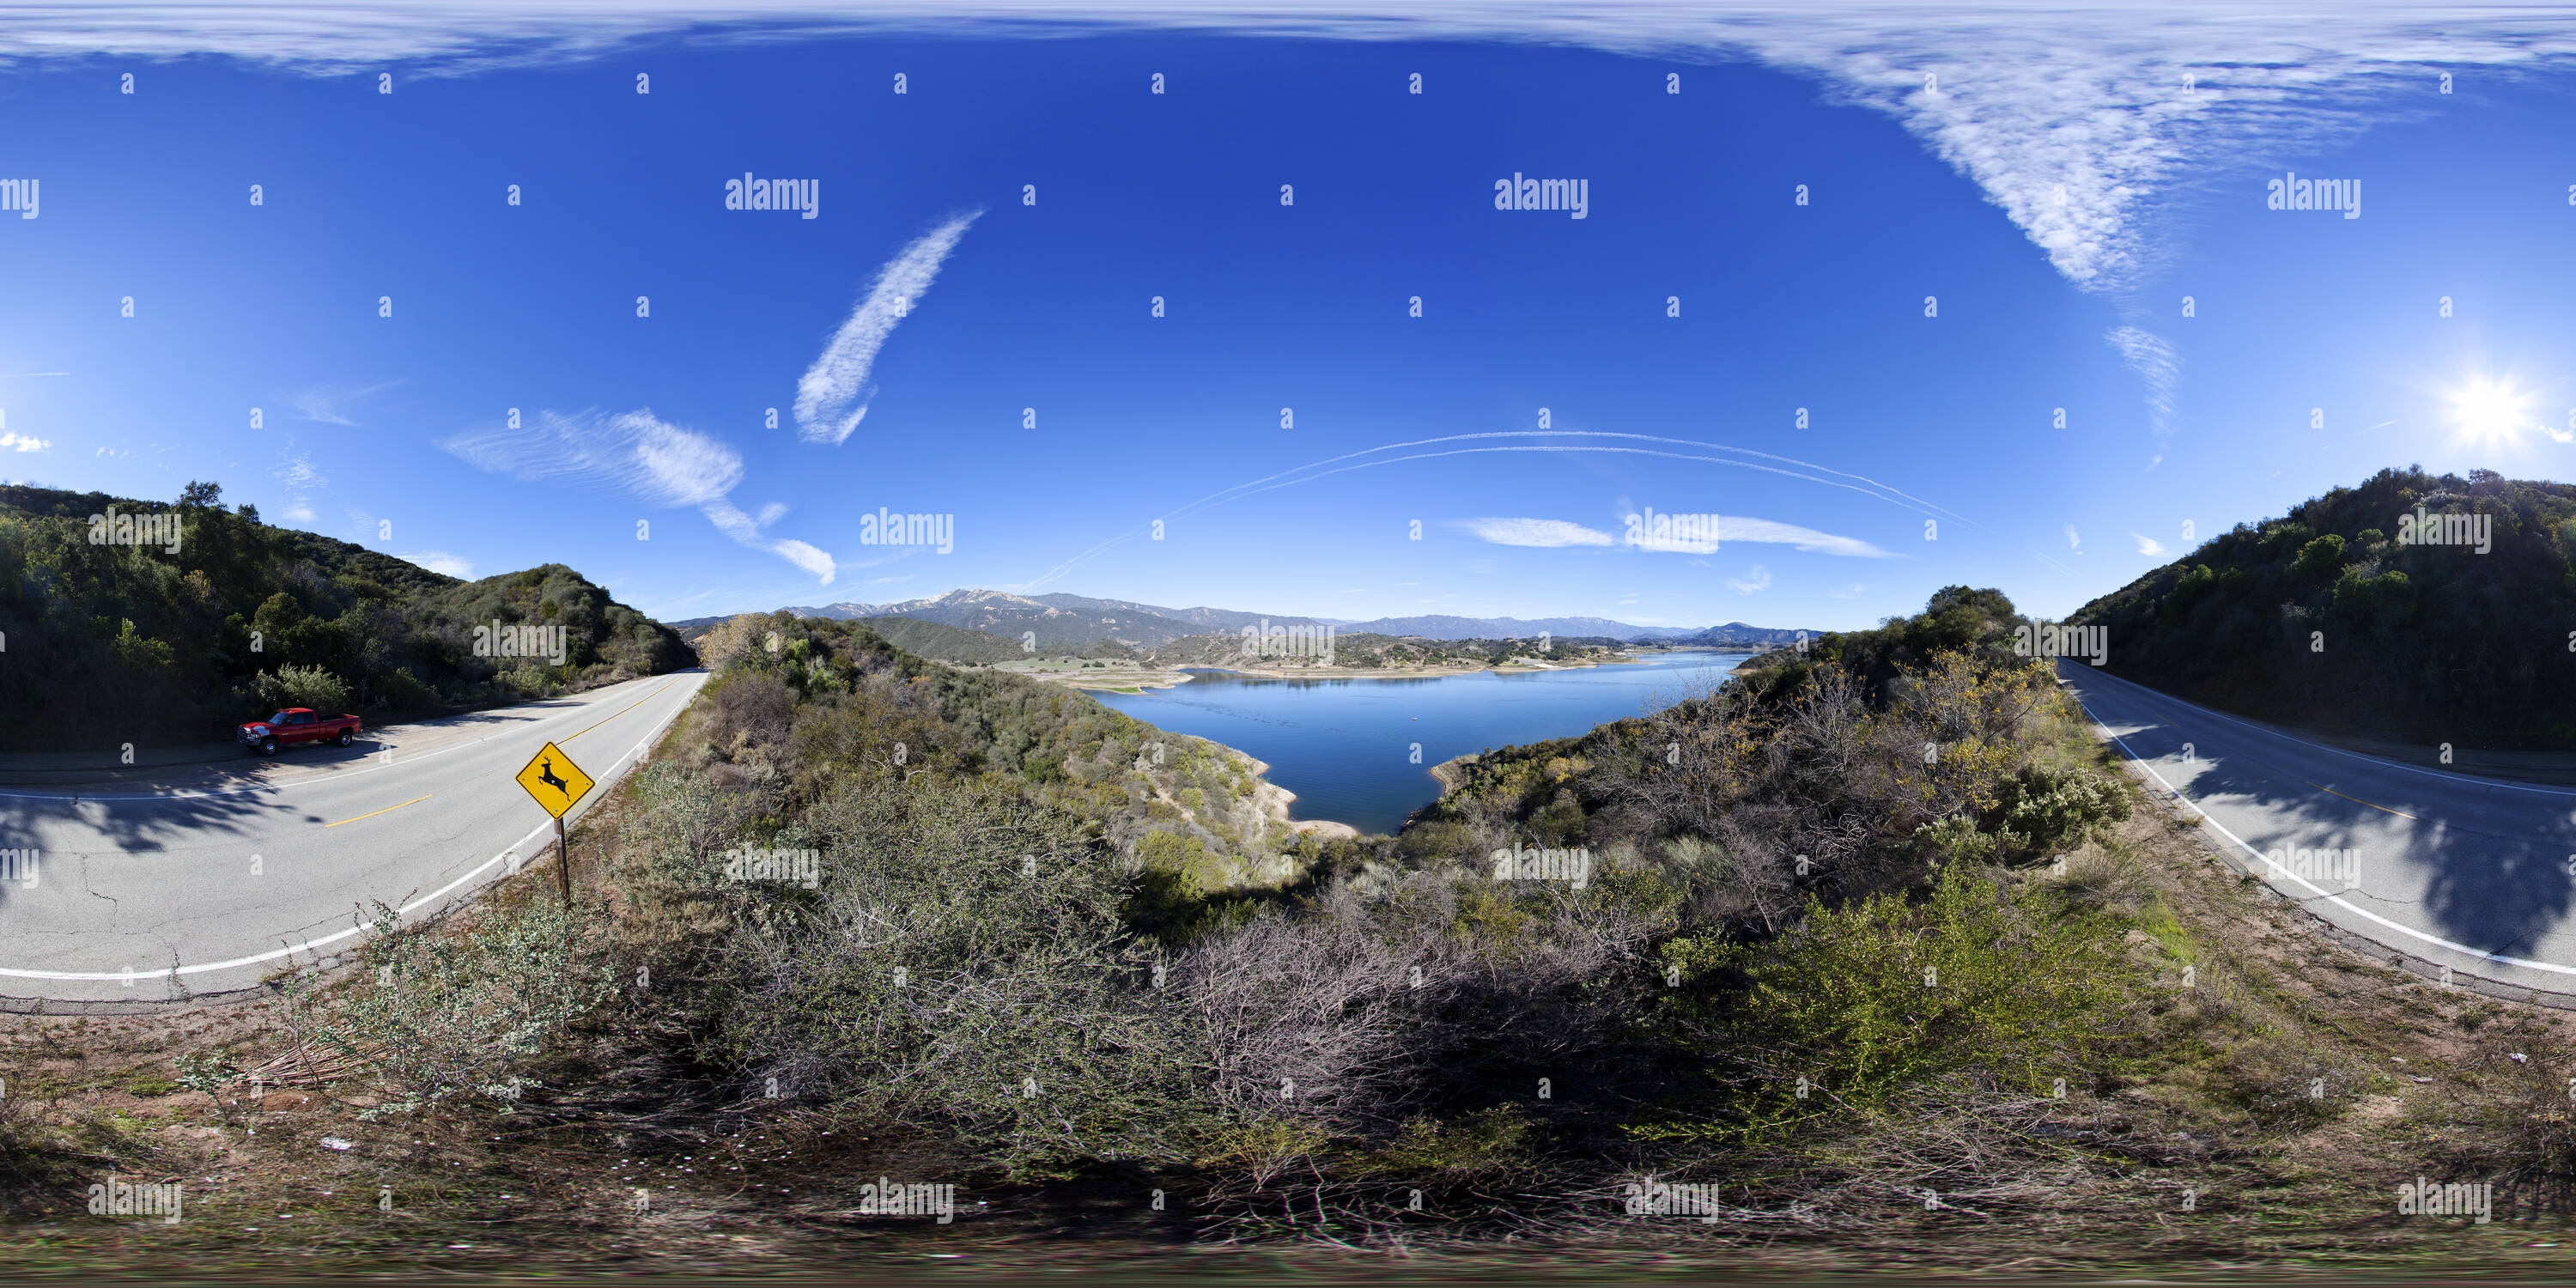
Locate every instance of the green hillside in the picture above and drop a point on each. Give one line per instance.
(139, 643)
(945, 643)
(2335, 615)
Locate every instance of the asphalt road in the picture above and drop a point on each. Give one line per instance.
(2476, 874)
(216, 876)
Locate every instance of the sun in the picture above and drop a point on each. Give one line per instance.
(2490, 413)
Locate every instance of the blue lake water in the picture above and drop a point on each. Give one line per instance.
(1345, 747)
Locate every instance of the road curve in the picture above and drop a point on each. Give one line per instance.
(2475, 874)
(215, 878)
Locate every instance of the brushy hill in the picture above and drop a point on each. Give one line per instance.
(1791, 964)
(945, 643)
(136, 642)
(2335, 615)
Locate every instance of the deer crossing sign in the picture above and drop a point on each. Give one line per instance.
(554, 780)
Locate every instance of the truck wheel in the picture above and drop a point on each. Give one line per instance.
(268, 746)
(347, 736)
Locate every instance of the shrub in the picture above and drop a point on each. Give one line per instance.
(2319, 558)
(299, 686)
(1869, 1000)
(2042, 810)
(440, 1016)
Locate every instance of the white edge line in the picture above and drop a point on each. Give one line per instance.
(406, 910)
(2337, 900)
(334, 776)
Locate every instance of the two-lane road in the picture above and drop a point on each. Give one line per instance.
(2476, 874)
(143, 894)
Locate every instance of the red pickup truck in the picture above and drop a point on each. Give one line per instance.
(294, 725)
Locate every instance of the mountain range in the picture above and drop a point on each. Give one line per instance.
(1073, 621)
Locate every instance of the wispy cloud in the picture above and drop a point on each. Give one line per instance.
(2147, 545)
(2160, 369)
(640, 454)
(12, 441)
(332, 404)
(2072, 540)
(295, 470)
(440, 561)
(1544, 533)
(1758, 579)
(1733, 528)
(747, 530)
(1558, 532)
(832, 397)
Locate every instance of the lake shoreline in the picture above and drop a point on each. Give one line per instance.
(1368, 756)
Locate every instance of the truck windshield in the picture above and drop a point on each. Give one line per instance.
(279, 718)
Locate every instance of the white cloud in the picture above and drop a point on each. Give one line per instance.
(643, 456)
(2153, 358)
(440, 561)
(633, 452)
(2076, 120)
(1558, 532)
(17, 442)
(743, 528)
(2147, 545)
(298, 512)
(831, 398)
(1545, 533)
(1758, 579)
(295, 470)
(2072, 540)
(1737, 528)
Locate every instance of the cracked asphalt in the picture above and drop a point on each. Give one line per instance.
(152, 884)
(2477, 874)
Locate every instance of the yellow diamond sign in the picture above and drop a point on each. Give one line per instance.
(554, 780)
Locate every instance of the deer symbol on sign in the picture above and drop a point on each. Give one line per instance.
(546, 775)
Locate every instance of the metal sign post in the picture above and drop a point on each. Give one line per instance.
(555, 784)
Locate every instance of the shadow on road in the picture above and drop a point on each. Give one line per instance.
(2494, 862)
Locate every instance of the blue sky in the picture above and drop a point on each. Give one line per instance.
(2044, 302)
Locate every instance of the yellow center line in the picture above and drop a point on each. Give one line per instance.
(386, 810)
(657, 692)
(2359, 801)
